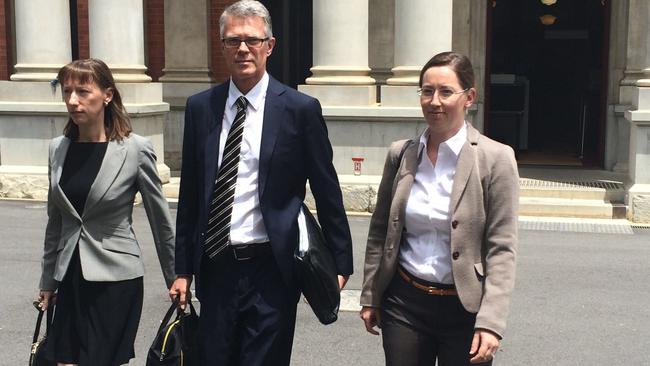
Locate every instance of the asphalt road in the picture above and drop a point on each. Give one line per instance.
(580, 298)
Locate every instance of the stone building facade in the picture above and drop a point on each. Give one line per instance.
(563, 91)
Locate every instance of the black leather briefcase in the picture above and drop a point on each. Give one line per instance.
(316, 269)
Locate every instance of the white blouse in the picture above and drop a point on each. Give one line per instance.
(425, 251)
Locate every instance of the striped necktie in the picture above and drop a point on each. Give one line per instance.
(218, 233)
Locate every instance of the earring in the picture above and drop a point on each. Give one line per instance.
(106, 103)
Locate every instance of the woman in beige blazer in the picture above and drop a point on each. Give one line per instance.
(440, 258)
(91, 257)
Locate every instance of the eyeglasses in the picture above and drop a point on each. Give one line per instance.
(252, 42)
(443, 93)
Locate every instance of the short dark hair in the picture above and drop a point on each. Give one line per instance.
(92, 70)
(460, 63)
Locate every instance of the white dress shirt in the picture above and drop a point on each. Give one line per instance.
(246, 225)
(424, 251)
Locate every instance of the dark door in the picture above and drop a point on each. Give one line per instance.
(547, 73)
(292, 27)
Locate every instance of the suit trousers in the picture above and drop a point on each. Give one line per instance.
(248, 315)
(418, 328)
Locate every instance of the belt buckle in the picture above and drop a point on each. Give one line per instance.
(234, 252)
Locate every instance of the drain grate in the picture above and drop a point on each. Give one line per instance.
(577, 227)
(577, 185)
(641, 228)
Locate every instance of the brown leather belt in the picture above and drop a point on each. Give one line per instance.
(431, 290)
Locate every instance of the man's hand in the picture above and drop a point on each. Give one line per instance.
(371, 317)
(484, 346)
(181, 287)
(342, 281)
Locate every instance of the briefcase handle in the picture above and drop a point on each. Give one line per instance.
(174, 307)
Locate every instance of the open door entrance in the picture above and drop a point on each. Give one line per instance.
(546, 90)
(292, 28)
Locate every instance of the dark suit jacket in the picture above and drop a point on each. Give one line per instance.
(483, 226)
(295, 147)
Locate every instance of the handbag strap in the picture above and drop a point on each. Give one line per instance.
(401, 153)
(399, 161)
(39, 320)
(48, 318)
(179, 312)
(168, 314)
(192, 310)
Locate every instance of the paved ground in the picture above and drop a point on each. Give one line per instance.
(581, 299)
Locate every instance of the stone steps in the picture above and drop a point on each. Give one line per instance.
(583, 190)
(578, 198)
(564, 207)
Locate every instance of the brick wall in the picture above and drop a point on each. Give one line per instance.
(5, 49)
(155, 37)
(82, 29)
(217, 65)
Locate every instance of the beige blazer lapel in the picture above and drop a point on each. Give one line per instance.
(58, 159)
(405, 177)
(111, 166)
(464, 167)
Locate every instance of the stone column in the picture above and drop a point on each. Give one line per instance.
(639, 115)
(637, 72)
(340, 75)
(381, 27)
(43, 41)
(116, 35)
(417, 38)
(617, 127)
(186, 42)
(187, 58)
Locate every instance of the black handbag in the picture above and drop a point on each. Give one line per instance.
(37, 353)
(316, 269)
(176, 342)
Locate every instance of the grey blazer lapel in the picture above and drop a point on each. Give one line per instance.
(111, 165)
(58, 159)
(464, 167)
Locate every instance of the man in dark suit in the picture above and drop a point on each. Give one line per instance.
(250, 144)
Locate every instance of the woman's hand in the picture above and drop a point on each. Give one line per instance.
(181, 287)
(371, 318)
(484, 346)
(44, 299)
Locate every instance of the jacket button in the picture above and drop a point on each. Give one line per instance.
(455, 255)
(202, 234)
(454, 224)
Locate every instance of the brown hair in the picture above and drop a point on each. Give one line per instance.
(461, 65)
(92, 70)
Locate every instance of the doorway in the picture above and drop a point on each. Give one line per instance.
(546, 90)
(292, 28)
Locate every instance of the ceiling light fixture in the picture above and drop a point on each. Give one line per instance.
(548, 19)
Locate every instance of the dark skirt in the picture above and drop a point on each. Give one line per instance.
(95, 323)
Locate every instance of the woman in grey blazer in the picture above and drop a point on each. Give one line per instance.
(440, 257)
(91, 257)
